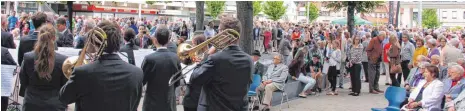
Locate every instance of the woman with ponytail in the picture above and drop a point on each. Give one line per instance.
(41, 74)
(129, 35)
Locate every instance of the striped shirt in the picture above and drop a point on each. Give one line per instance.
(355, 56)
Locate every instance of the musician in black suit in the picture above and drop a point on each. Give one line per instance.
(27, 43)
(65, 38)
(158, 67)
(259, 68)
(108, 83)
(7, 37)
(191, 99)
(41, 74)
(129, 46)
(7, 59)
(225, 76)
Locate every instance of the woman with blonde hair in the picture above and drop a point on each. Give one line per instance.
(394, 60)
(41, 74)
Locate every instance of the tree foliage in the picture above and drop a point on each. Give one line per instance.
(351, 7)
(430, 18)
(150, 2)
(274, 9)
(215, 7)
(313, 12)
(360, 6)
(257, 7)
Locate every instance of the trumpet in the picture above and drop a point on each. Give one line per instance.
(96, 42)
(186, 51)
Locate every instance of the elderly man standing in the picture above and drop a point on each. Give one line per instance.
(273, 80)
(81, 36)
(451, 52)
(374, 53)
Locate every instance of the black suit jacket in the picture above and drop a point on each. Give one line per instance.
(41, 94)
(65, 39)
(129, 49)
(158, 67)
(172, 47)
(26, 44)
(108, 84)
(7, 40)
(226, 78)
(7, 59)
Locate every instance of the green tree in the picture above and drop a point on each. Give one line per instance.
(430, 18)
(215, 7)
(313, 12)
(351, 6)
(150, 2)
(274, 9)
(257, 7)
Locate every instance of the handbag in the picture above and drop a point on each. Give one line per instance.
(395, 69)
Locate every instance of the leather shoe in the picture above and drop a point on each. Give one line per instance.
(379, 91)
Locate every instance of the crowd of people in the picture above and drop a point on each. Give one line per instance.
(429, 62)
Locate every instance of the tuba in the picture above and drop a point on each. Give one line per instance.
(93, 48)
(186, 51)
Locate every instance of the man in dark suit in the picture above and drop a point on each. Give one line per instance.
(7, 59)
(256, 35)
(259, 68)
(106, 84)
(285, 49)
(28, 42)
(158, 67)
(65, 38)
(225, 76)
(7, 37)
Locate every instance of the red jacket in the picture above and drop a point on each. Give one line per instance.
(385, 51)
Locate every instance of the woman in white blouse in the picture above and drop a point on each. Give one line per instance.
(429, 92)
(334, 65)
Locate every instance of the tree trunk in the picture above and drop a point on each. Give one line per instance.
(199, 9)
(245, 16)
(397, 15)
(70, 15)
(391, 12)
(350, 17)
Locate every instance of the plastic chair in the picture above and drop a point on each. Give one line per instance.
(252, 94)
(395, 97)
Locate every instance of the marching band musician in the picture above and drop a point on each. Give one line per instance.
(41, 74)
(225, 76)
(158, 67)
(129, 46)
(108, 83)
(191, 98)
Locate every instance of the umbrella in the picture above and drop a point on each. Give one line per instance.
(358, 21)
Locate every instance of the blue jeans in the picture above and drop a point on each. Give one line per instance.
(308, 81)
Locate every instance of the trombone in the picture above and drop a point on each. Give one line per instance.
(186, 51)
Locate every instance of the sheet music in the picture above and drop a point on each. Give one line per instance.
(8, 79)
(140, 54)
